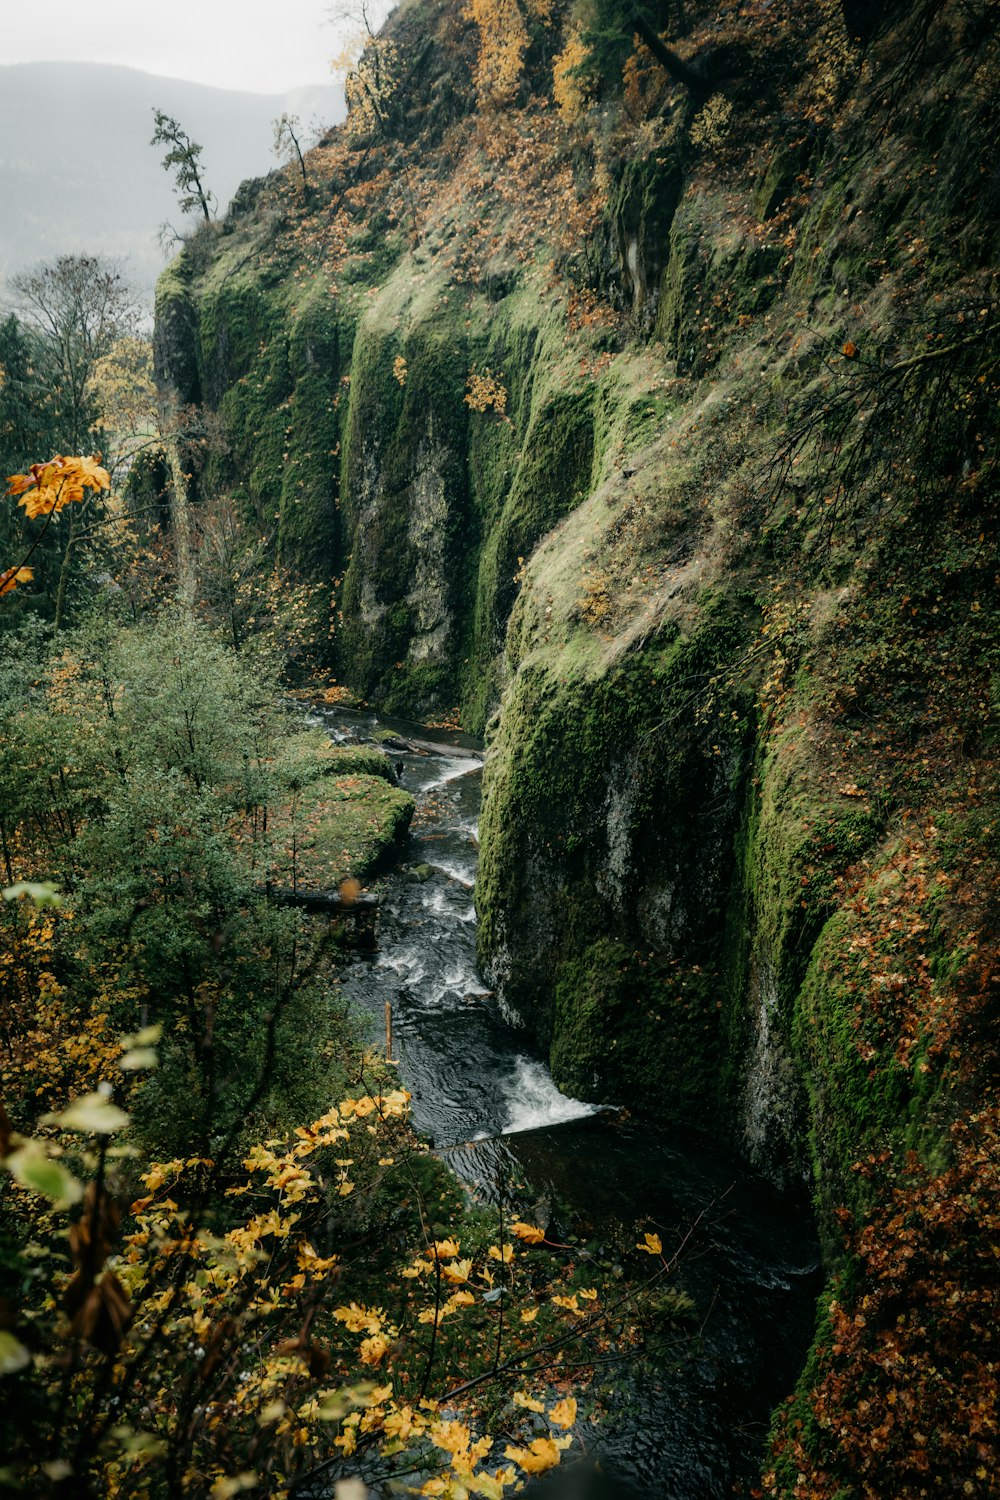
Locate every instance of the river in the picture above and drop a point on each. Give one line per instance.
(688, 1421)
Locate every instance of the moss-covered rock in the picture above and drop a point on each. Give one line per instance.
(344, 816)
(609, 840)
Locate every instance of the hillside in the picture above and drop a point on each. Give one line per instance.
(640, 401)
(79, 175)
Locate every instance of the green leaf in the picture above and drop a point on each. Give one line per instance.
(42, 893)
(13, 1355)
(34, 1168)
(94, 1114)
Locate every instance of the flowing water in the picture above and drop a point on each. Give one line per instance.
(688, 1421)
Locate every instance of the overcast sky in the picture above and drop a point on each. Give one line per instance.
(267, 46)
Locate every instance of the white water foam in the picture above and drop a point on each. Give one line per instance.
(535, 1101)
(407, 965)
(443, 902)
(463, 873)
(458, 980)
(453, 770)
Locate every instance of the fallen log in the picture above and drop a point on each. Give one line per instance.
(361, 910)
(331, 901)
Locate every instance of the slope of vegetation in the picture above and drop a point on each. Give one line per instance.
(628, 379)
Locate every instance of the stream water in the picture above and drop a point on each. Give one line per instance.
(688, 1421)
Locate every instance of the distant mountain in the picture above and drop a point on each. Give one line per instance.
(77, 172)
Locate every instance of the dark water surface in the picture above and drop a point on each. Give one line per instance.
(687, 1423)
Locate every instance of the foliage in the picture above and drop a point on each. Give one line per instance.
(712, 123)
(45, 491)
(277, 1362)
(369, 64)
(123, 390)
(503, 41)
(486, 392)
(905, 1390)
(571, 81)
(810, 431)
(164, 1023)
(81, 306)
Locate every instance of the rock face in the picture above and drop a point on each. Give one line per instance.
(676, 563)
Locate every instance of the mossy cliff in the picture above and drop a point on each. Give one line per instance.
(665, 449)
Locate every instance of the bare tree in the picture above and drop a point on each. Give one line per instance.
(289, 138)
(82, 307)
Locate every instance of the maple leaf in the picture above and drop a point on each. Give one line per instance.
(51, 486)
(10, 579)
(653, 1245)
(543, 1454)
(458, 1272)
(564, 1412)
(528, 1233)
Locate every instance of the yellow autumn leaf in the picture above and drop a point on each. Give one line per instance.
(564, 1412)
(653, 1245)
(373, 1350)
(451, 1436)
(521, 1398)
(457, 1272)
(528, 1232)
(359, 1319)
(506, 1255)
(11, 577)
(529, 1314)
(492, 1486)
(403, 1424)
(541, 1455)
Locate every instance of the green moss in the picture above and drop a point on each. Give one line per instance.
(311, 754)
(640, 212)
(777, 181)
(405, 509)
(340, 826)
(176, 338)
(621, 1021)
(552, 478)
(715, 275)
(308, 533)
(609, 810)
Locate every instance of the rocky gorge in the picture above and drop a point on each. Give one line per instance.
(656, 435)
